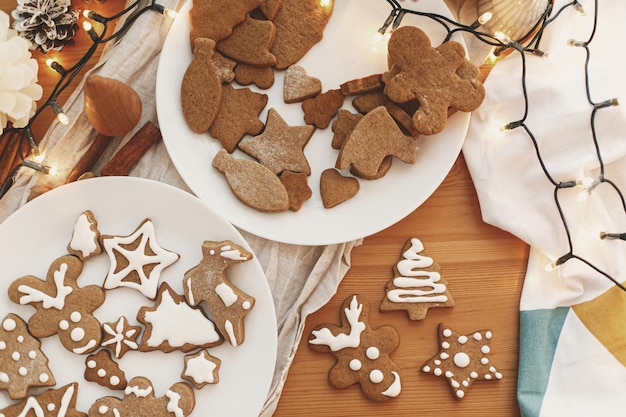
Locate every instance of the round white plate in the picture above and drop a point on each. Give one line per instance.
(346, 52)
(39, 232)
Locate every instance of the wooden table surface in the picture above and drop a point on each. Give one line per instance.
(484, 267)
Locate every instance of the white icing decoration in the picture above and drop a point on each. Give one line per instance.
(461, 359)
(372, 353)
(355, 364)
(138, 392)
(410, 285)
(91, 364)
(477, 336)
(395, 387)
(485, 349)
(9, 325)
(51, 407)
(76, 316)
(474, 374)
(103, 409)
(229, 253)
(90, 345)
(230, 332)
(444, 356)
(438, 371)
(324, 336)
(447, 332)
(449, 374)
(64, 325)
(32, 404)
(101, 372)
(200, 368)
(426, 368)
(179, 324)
(487, 376)
(83, 238)
(488, 334)
(484, 361)
(226, 294)
(377, 376)
(192, 299)
(173, 403)
(137, 260)
(2, 345)
(32, 354)
(77, 334)
(460, 393)
(445, 345)
(22, 371)
(462, 339)
(43, 378)
(58, 301)
(20, 339)
(4, 377)
(119, 337)
(246, 305)
(114, 380)
(15, 356)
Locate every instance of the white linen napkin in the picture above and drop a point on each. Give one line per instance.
(301, 278)
(516, 196)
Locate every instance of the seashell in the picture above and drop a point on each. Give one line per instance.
(112, 107)
(514, 18)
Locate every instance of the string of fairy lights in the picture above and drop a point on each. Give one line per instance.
(501, 45)
(529, 43)
(35, 158)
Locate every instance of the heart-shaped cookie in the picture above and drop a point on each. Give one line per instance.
(335, 188)
(299, 85)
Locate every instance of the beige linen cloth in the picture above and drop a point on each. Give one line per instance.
(301, 278)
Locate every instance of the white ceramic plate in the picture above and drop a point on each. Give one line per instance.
(346, 52)
(39, 232)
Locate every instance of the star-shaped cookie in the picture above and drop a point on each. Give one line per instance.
(137, 260)
(120, 336)
(201, 368)
(462, 359)
(280, 147)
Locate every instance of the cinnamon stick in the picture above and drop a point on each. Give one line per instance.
(123, 161)
(89, 158)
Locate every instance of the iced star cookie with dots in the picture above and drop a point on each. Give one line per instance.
(462, 359)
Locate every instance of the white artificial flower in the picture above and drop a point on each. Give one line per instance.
(19, 90)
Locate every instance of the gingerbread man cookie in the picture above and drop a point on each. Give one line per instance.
(208, 282)
(362, 353)
(140, 400)
(63, 307)
(427, 74)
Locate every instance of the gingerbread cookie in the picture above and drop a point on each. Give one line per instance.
(299, 25)
(429, 75)
(367, 102)
(171, 324)
(120, 336)
(462, 359)
(215, 19)
(201, 89)
(238, 115)
(103, 370)
(250, 43)
(253, 184)
(373, 138)
(262, 77)
(298, 85)
(23, 365)
(208, 282)
(63, 308)
(85, 241)
(342, 126)
(225, 67)
(280, 147)
(59, 402)
(335, 188)
(297, 186)
(362, 85)
(140, 400)
(201, 369)
(137, 260)
(417, 284)
(269, 8)
(319, 110)
(362, 352)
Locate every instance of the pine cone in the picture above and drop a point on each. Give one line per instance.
(47, 24)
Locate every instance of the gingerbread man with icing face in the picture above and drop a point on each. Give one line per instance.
(63, 308)
(362, 353)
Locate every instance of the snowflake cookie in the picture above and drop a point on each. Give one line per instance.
(462, 359)
(362, 353)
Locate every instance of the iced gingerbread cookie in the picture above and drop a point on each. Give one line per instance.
(22, 363)
(362, 353)
(120, 336)
(417, 284)
(137, 260)
(140, 400)
(59, 402)
(201, 369)
(208, 282)
(85, 242)
(171, 324)
(462, 359)
(63, 307)
(103, 370)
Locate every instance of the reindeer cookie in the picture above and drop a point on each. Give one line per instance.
(63, 308)
(362, 353)
(140, 400)
(207, 281)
